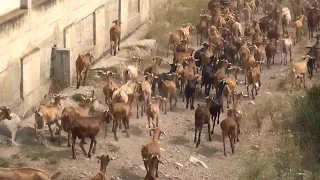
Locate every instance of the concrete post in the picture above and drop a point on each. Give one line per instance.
(25, 4)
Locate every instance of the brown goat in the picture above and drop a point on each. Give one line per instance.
(88, 127)
(70, 112)
(83, 63)
(202, 116)
(228, 127)
(299, 70)
(115, 35)
(101, 175)
(48, 114)
(25, 174)
(175, 38)
(153, 110)
(254, 79)
(121, 113)
(168, 91)
(110, 87)
(238, 112)
(151, 155)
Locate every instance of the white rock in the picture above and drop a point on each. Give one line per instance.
(196, 160)
(252, 102)
(162, 149)
(268, 93)
(179, 164)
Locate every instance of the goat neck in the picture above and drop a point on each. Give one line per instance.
(156, 135)
(221, 86)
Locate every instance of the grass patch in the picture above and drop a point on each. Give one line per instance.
(171, 16)
(112, 148)
(4, 162)
(36, 152)
(297, 154)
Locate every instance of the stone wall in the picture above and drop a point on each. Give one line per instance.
(27, 36)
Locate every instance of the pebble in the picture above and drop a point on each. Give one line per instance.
(196, 160)
(252, 102)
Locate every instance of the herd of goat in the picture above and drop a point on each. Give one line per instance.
(230, 49)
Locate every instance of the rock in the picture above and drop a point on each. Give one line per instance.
(255, 147)
(83, 174)
(179, 164)
(162, 149)
(196, 160)
(252, 102)
(273, 77)
(201, 156)
(142, 167)
(268, 93)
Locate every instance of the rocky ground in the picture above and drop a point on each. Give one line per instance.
(182, 159)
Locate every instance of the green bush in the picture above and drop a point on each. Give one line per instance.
(306, 120)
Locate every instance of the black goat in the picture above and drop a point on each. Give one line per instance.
(198, 52)
(190, 92)
(208, 74)
(216, 104)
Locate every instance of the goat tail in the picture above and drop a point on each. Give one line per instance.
(158, 158)
(55, 176)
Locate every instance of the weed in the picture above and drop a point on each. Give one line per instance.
(35, 151)
(20, 164)
(4, 162)
(53, 160)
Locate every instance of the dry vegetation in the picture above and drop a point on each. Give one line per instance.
(295, 128)
(171, 16)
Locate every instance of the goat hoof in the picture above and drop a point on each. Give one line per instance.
(123, 131)
(74, 157)
(69, 145)
(211, 132)
(237, 140)
(225, 154)
(192, 108)
(210, 139)
(89, 156)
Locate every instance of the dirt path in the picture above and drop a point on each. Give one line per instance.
(177, 145)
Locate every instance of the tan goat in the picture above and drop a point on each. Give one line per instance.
(228, 127)
(254, 78)
(115, 35)
(175, 38)
(238, 112)
(168, 91)
(47, 115)
(298, 26)
(299, 70)
(83, 63)
(153, 110)
(25, 174)
(110, 87)
(145, 94)
(151, 154)
(101, 175)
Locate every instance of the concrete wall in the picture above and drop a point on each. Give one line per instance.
(27, 36)
(9, 5)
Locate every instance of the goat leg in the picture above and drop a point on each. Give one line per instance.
(149, 125)
(209, 130)
(69, 134)
(115, 130)
(94, 146)
(253, 86)
(214, 123)
(82, 147)
(73, 144)
(51, 134)
(192, 102)
(195, 135)
(224, 144)
(126, 126)
(199, 137)
(90, 149)
(187, 102)
(85, 76)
